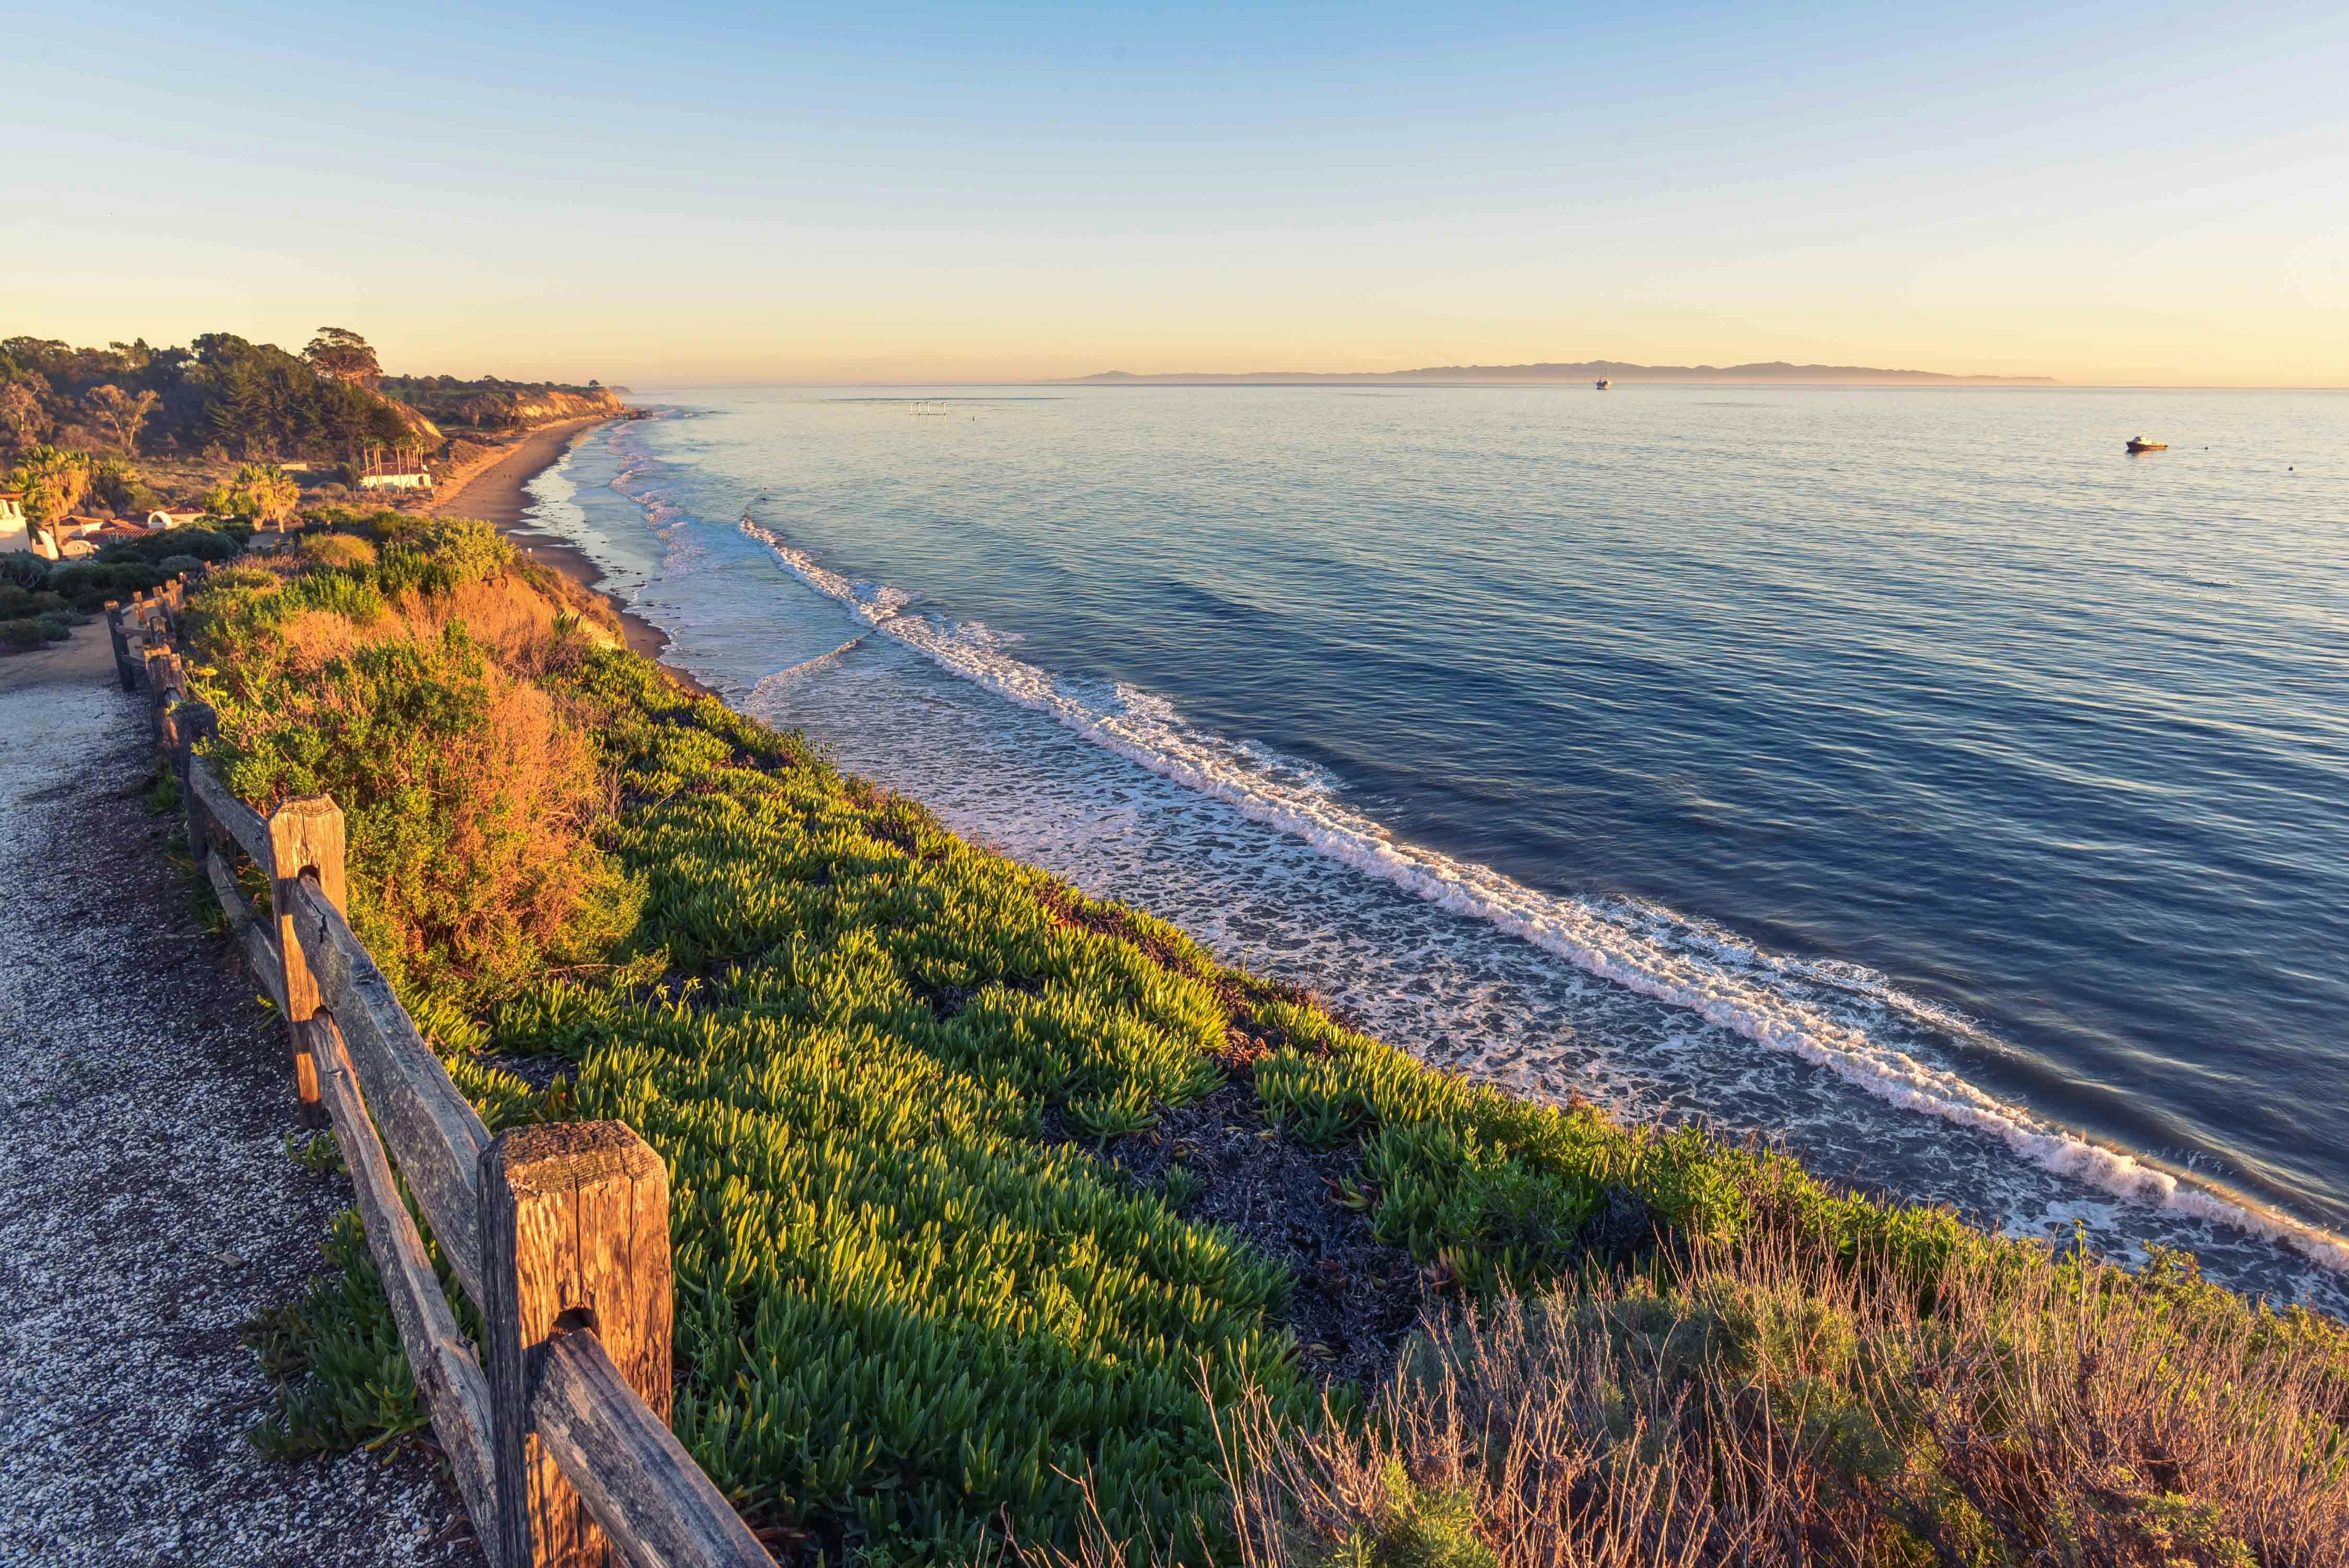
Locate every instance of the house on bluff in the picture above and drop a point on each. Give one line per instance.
(66, 539)
(77, 537)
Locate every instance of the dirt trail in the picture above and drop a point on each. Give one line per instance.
(149, 1209)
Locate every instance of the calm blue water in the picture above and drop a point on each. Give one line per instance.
(1908, 775)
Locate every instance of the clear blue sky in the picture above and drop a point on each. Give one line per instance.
(2096, 192)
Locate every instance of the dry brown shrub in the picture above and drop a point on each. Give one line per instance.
(470, 799)
(591, 607)
(503, 614)
(1769, 1412)
(514, 831)
(312, 637)
(494, 882)
(527, 623)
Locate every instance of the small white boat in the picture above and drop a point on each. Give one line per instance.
(2139, 444)
(1603, 383)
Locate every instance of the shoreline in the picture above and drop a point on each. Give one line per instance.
(2061, 1152)
(497, 491)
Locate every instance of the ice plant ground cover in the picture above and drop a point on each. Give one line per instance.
(1008, 1218)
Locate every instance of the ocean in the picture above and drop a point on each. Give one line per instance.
(1908, 776)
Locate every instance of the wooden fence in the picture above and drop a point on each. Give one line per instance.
(556, 1427)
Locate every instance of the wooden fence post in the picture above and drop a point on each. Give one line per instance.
(304, 835)
(156, 662)
(197, 724)
(574, 1235)
(123, 669)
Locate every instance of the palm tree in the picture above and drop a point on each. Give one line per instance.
(260, 493)
(54, 484)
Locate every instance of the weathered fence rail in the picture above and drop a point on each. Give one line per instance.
(556, 1425)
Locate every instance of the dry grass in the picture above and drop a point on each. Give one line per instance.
(529, 623)
(315, 638)
(512, 622)
(1768, 1412)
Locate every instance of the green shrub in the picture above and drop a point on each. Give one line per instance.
(436, 554)
(23, 604)
(337, 549)
(128, 567)
(207, 540)
(87, 585)
(1414, 1526)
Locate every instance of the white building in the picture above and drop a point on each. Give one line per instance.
(14, 535)
(414, 479)
(71, 538)
(160, 520)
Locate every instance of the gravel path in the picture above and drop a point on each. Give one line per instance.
(146, 1208)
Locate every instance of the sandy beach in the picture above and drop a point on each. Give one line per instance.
(497, 491)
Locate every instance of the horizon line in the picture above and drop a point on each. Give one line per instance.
(1241, 382)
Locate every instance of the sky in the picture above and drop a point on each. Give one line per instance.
(2105, 194)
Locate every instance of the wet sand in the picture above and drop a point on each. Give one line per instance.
(498, 492)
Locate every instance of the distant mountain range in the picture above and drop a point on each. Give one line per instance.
(1589, 370)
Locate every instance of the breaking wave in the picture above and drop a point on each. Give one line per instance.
(1814, 1010)
(769, 683)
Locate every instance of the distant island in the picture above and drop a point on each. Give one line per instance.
(1775, 370)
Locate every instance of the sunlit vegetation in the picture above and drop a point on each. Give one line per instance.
(255, 492)
(1761, 1406)
(935, 1124)
(219, 395)
(197, 410)
(493, 403)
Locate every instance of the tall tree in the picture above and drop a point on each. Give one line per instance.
(20, 410)
(124, 413)
(239, 410)
(344, 356)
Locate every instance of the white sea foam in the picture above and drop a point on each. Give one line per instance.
(1646, 949)
(768, 684)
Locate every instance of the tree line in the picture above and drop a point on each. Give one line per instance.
(228, 399)
(220, 397)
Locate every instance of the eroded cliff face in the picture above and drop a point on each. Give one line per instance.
(424, 429)
(456, 410)
(546, 408)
